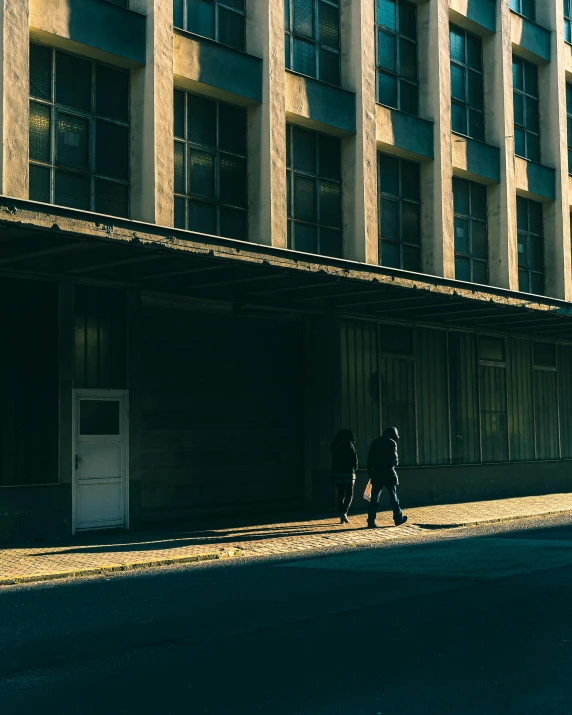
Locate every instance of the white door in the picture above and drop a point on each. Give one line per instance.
(100, 459)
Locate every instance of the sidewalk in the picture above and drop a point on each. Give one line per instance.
(100, 552)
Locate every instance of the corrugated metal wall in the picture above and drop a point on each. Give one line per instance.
(432, 397)
(546, 413)
(360, 382)
(565, 399)
(520, 402)
(398, 404)
(464, 387)
(494, 432)
(449, 405)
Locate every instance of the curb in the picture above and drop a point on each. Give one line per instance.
(479, 522)
(233, 553)
(215, 556)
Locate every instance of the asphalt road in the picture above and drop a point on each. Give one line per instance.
(462, 621)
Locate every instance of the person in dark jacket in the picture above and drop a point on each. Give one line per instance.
(344, 467)
(381, 462)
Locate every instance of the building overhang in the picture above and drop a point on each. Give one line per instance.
(42, 241)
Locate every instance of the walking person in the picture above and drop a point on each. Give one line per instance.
(344, 467)
(381, 462)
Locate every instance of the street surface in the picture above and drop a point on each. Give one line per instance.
(474, 620)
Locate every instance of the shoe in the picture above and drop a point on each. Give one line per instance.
(372, 525)
(342, 519)
(345, 519)
(402, 521)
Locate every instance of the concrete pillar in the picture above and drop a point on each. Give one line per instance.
(554, 148)
(499, 128)
(438, 257)
(14, 97)
(359, 153)
(152, 155)
(267, 126)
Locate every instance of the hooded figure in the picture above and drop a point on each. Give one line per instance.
(344, 467)
(381, 462)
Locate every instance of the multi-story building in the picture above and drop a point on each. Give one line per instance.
(229, 228)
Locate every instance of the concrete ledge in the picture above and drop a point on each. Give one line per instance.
(75, 573)
(481, 15)
(410, 136)
(319, 104)
(531, 40)
(228, 73)
(101, 25)
(535, 180)
(474, 159)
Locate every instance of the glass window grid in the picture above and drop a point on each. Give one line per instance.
(530, 277)
(217, 153)
(471, 219)
(181, 18)
(530, 136)
(291, 173)
(569, 124)
(526, 8)
(403, 244)
(292, 39)
(54, 108)
(397, 74)
(474, 116)
(568, 21)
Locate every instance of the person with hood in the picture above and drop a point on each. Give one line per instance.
(344, 467)
(381, 462)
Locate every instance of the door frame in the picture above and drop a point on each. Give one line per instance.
(123, 396)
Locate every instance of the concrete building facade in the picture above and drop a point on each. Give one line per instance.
(229, 228)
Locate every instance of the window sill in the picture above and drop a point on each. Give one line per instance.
(315, 79)
(406, 114)
(215, 43)
(466, 136)
(528, 19)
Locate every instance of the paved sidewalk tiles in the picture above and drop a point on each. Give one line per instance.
(100, 552)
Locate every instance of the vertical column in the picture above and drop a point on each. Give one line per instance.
(133, 339)
(359, 153)
(14, 96)
(152, 155)
(499, 124)
(554, 147)
(267, 125)
(435, 103)
(66, 381)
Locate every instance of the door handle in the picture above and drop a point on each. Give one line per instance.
(78, 459)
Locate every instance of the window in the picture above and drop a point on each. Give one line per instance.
(210, 166)
(121, 3)
(220, 20)
(312, 41)
(493, 399)
(491, 349)
(471, 247)
(530, 246)
(396, 340)
(79, 132)
(526, 117)
(467, 93)
(569, 123)
(397, 79)
(523, 7)
(568, 20)
(314, 192)
(400, 213)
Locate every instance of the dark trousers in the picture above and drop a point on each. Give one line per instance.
(345, 496)
(376, 489)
